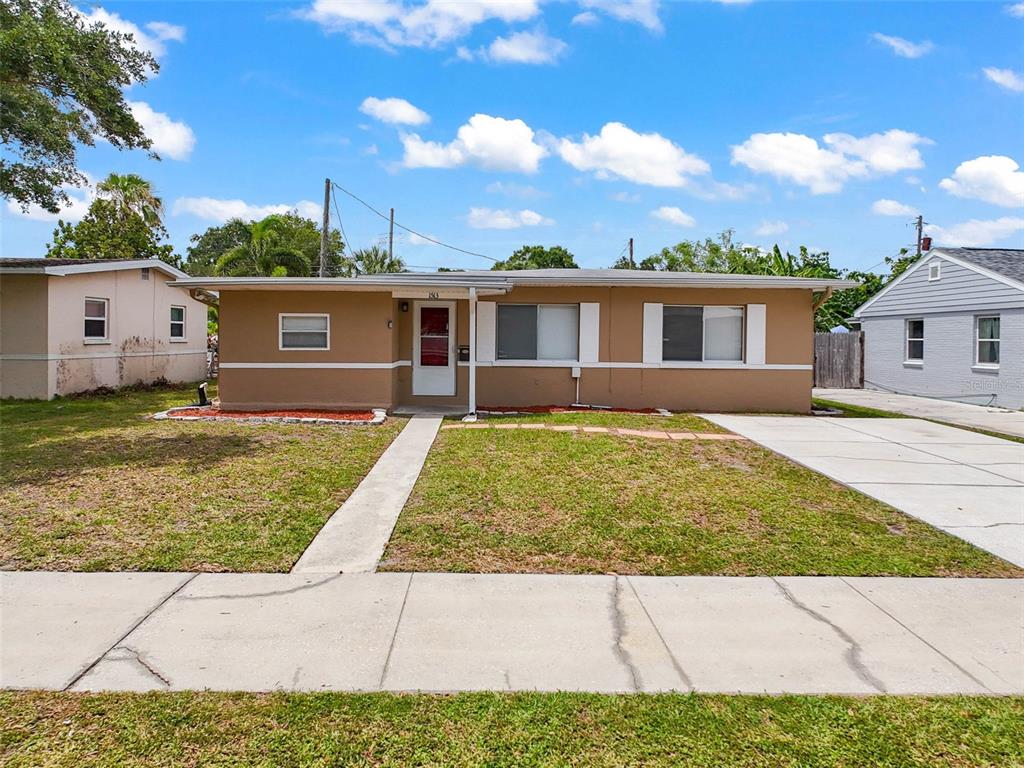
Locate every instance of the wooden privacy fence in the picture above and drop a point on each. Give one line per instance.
(839, 360)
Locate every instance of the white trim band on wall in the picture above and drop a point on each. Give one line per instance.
(344, 366)
(100, 355)
(725, 366)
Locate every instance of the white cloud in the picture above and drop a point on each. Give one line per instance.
(394, 111)
(1005, 78)
(1016, 10)
(585, 19)
(995, 179)
(170, 137)
(886, 207)
(492, 143)
(512, 189)
(800, 159)
(977, 233)
(674, 216)
(642, 12)
(643, 158)
(625, 197)
(771, 228)
(490, 218)
(392, 23)
(905, 48)
(164, 31)
(81, 199)
(152, 42)
(526, 48)
(219, 210)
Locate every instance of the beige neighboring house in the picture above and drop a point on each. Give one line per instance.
(74, 325)
(469, 340)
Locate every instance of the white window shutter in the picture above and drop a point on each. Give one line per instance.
(590, 331)
(756, 331)
(652, 333)
(486, 314)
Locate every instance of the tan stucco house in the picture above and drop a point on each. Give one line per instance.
(469, 340)
(74, 325)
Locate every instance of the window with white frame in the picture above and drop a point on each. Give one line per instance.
(538, 331)
(915, 340)
(177, 323)
(702, 334)
(987, 337)
(305, 331)
(934, 271)
(96, 316)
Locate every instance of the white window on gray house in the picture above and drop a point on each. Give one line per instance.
(305, 331)
(934, 271)
(702, 334)
(537, 331)
(177, 323)
(915, 340)
(96, 311)
(987, 341)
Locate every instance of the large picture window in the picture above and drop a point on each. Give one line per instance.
(538, 331)
(988, 341)
(96, 311)
(915, 340)
(305, 332)
(702, 334)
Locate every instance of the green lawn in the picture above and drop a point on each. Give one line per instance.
(554, 502)
(90, 484)
(45, 730)
(677, 422)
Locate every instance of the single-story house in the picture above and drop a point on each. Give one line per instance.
(74, 325)
(620, 338)
(951, 326)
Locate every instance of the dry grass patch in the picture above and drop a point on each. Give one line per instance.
(555, 502)
(92, 484)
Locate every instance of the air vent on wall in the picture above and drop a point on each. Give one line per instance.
(145, 273)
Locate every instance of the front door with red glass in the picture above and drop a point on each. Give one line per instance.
(434, 358)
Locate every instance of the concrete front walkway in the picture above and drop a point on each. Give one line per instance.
(456, 632)
(353, 539)
(964, 414)
(965, 483)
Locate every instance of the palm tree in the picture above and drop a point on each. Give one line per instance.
(375, 261)
(132, 194)
(263, 255)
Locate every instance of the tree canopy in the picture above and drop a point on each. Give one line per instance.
(123, 222)
(63, 82)
(375, 261)
(267, 252)
(538, 257)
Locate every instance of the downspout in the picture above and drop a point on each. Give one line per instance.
(472, 350)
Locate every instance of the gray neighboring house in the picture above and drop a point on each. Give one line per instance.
(951, 326)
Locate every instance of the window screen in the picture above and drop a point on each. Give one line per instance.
(517, 332)
(988, 340)
(304, 331)
(177, 322)
(915, 339)
(95, 319)
(723, 333)
(558, 331)
(682, 333)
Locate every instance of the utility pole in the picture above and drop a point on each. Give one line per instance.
(920, 233)
(391, 236)
(632, 264)
(325, 228)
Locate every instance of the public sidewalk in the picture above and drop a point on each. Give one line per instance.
(951, 412)
(456, 632)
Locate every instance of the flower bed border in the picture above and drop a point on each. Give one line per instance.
(379, 417)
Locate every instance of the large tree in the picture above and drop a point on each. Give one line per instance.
(266, 253)
(205, 249)
(539, 257)
(123, 222)
(375, 261)
(62, 84)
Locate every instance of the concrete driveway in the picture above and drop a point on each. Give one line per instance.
(967, 484)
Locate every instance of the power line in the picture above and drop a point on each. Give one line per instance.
(413, 231)
(337, 211)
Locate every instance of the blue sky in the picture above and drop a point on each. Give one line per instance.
(582, 123)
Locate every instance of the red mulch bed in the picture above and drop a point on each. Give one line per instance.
(337, 415)
(559, 409)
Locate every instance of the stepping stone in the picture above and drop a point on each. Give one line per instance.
(506, 426)
(564, 428)
(682, 435)
(532, 426)
(595, 429)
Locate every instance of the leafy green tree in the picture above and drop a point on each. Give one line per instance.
(123, 222)
(538, 257)
(63, 82)
(709, 255)
(206, 249)
(266, 253)
(375, 261)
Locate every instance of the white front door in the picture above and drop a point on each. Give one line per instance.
(433, 348)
